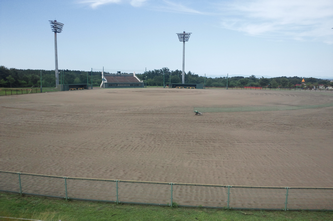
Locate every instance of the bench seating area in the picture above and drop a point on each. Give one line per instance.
(121, 79)
(74, 89)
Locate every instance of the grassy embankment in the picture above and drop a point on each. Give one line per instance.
(42, 208)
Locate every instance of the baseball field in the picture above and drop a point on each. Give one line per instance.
(243, 137)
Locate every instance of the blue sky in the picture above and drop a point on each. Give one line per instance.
(267, 38)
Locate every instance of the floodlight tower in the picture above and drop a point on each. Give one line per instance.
(183, 37)
(56, 28)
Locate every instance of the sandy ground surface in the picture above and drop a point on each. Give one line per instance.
(153, 135)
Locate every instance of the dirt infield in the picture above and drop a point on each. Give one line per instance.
(153, 135)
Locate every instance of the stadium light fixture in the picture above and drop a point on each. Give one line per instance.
(183, 37)
(56, 28)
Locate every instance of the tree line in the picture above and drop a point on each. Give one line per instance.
(155, 78)
(32, 78)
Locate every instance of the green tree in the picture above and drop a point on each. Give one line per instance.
(150, 82)
(232, 84)
(209, 82)
(274, 84)
(295, 80)
(11, 80)
(217, 84)
(158, 80)
(284, 82)
(77, 80)
(3, 82)
(263, 82)
(175, 79)
(254, 84)
(324, 82)
(23, 83)
(33, 80)
(311, 80)
(243, 82)
(253, 78)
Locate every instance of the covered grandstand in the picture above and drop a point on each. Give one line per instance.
(120, 81)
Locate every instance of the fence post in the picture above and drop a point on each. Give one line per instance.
(66, 188)
(228, 201)
(117, 200)
(19, 176)
(286, 203)
(171, 197)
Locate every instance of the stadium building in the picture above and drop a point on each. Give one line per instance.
(120, 80)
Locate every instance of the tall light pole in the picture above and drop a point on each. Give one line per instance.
(56, 28)
(183, 37)
(163, 78)
(204, 82)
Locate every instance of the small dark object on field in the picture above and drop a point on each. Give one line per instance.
(197, 112)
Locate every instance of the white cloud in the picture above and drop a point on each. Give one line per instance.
(297, 19)
(163, 5)
(96, 3)
(137, 3)
(177, 8)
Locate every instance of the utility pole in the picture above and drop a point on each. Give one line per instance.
(41, 82)
(91, 82)
(163, 78)
(205, 82)
(163, 71)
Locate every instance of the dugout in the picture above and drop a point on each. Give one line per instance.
(187, 86)
(71, 87)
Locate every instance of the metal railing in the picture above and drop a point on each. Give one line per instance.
(168, 194)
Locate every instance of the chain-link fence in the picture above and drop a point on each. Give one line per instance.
(168, 194)
(17, 91)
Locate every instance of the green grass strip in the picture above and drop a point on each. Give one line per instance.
(258, 108)
(18, 91)
(42, 208)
